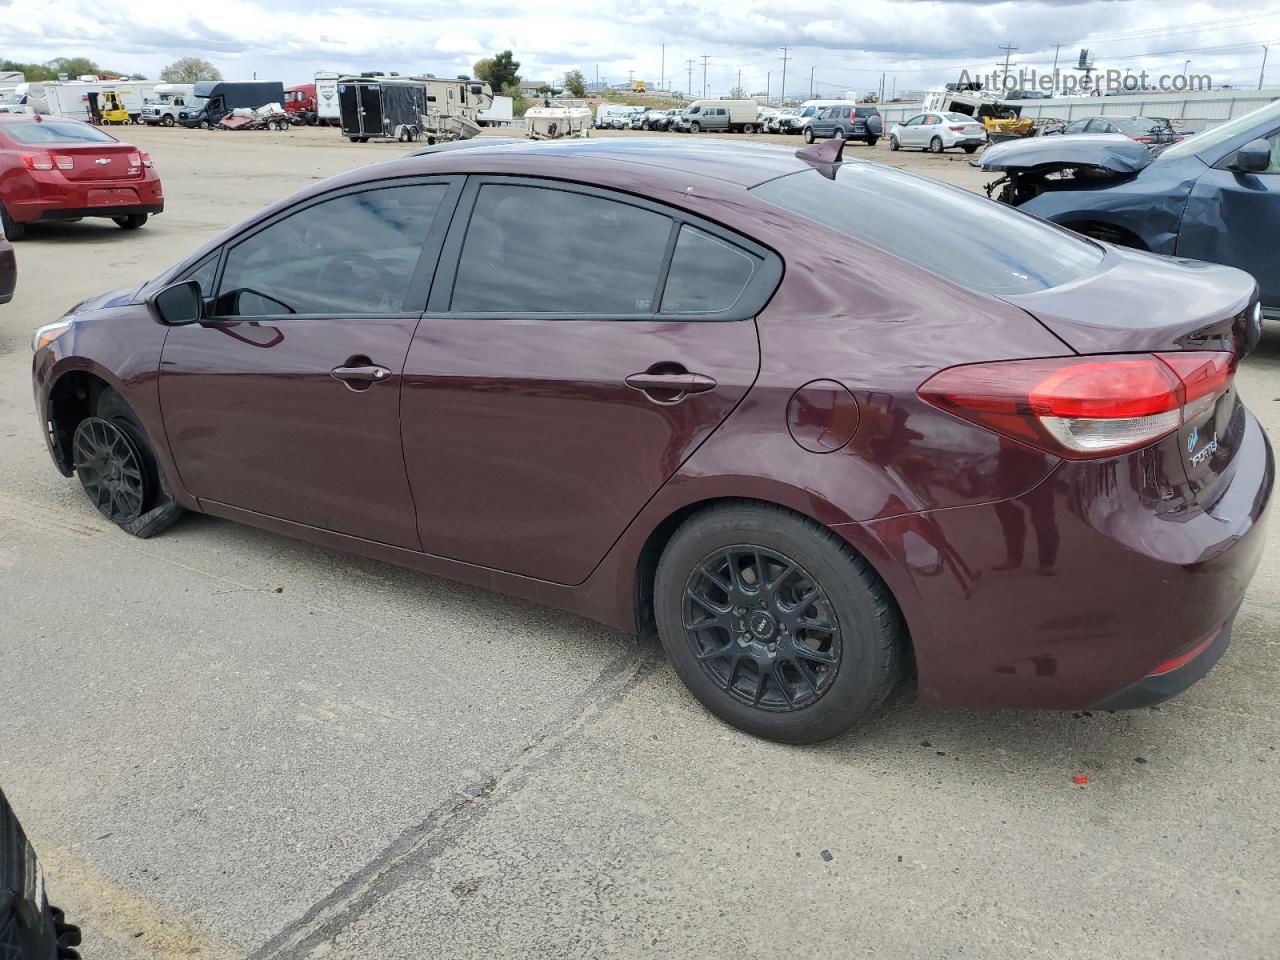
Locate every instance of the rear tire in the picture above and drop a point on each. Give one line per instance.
(839, 134)
(132, 222)
(12, 229)
(158, 510)
(935, 145)
(809, 640)
(808, 135)
(749, 128)
(971, 148)
(872, 141)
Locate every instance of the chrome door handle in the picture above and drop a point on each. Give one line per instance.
(360, 376)
(680, 383)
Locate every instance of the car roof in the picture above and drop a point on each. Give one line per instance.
(744, 164)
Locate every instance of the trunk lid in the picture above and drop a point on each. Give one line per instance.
(99, 161)
(1145, 303)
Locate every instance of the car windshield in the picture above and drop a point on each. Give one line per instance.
(197, 103)
(1263, 116)
(948, 231)
(55, 131)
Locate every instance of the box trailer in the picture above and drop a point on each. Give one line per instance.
(78, 98)
(327, 98)
(382, 108)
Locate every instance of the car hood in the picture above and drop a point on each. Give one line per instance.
(1112, 153)
(1138, 302)
(116, 298)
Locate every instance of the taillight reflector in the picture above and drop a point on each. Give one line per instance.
(1081, 407)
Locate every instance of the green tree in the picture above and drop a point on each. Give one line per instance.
(500, 71)
(739, 93)
(575, 83)
(74, 66)
(190, 70)
(32, 71)
(518, 102)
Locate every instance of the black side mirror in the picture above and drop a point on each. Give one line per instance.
(1253, 157)
(177, 304)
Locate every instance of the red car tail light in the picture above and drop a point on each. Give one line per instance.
(958, 129)
(64, 162)
(37, 161)
(1082, 407)
(146, 159)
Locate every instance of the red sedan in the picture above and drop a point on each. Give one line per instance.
(750, 401)
(52, 168)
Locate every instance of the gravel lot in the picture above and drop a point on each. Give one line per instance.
(229, 744)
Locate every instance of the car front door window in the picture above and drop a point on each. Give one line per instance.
(352, 255)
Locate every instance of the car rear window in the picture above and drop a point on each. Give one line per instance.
(867, 112)
(969, 240)
(40, 132)
(958, 118)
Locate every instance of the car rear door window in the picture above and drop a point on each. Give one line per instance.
(353, 255)
(707, 274)
(542, 250)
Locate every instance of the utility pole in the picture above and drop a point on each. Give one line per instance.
(740, 90)
(1263, 72)
(688, 90)
(782, 93)
(662, 72)
(881, 97)
(1008, 52)
(811, 69)
(1056, 48)
(597, 78)
(705, 57)
(631, 79)
(768, 86)
(893, 91)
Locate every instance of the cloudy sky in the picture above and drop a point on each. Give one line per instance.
(842, 45)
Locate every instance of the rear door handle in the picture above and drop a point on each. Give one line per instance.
(360, 376)
(679, 383)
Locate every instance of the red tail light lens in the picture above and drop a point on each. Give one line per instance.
(1081, 407)
(146, 159)
(37, 161)
(958, 129)
(64, 162)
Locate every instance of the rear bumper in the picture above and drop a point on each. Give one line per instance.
(1164, 684)
(79, 213)
(1077, 592)
(60, 199)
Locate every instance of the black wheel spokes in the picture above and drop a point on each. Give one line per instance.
(109, 469)
(762, 628)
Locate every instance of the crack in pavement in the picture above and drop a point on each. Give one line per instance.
(425, 841)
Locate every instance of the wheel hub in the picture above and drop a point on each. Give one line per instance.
(110, 469)
(762, 628)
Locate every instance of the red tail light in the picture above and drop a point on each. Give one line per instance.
(146, 159)
(958, 129)
(64, 162)
(37, 161)
(1082, 407)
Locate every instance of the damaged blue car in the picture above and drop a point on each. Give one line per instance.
(1214, 196)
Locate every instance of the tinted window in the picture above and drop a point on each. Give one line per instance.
(55, 131)
(958, 235)
(867, 112)
(530, 249)
(204, 274)
(351, 255)
(1264, 118)
(707, 274)
(959, 118)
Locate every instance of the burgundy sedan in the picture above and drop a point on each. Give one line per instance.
(54, 168)
(748, 399)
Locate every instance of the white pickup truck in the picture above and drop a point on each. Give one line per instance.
(163, 108)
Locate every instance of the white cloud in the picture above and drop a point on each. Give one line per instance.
(915, 42)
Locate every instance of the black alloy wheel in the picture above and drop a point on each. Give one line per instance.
(110, 469)
(762, 628)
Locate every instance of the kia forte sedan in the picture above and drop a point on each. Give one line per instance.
(740, 397)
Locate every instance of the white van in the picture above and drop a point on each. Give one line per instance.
(738, 116)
